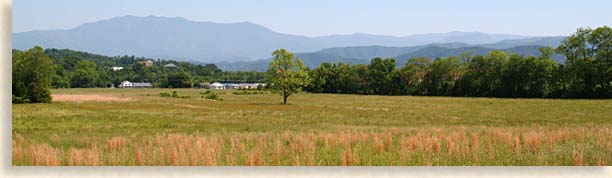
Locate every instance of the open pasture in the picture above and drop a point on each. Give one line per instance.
(138, 127)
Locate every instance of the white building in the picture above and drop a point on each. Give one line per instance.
(116, 68)
(248, 85)
(128, 84)
(170, 65)
(217, 86)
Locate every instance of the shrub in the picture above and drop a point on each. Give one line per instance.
(164, 94)
(212, 96)
(247, 93)
(173, 95)
(17, 99)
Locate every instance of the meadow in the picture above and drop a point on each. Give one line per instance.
(133, 127)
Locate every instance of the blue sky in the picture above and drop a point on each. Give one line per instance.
(325, 17)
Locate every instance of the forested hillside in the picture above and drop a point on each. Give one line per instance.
(76, 69)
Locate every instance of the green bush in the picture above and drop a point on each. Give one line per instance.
(212, 96)
(173, 95)
(248, 92)
(164, 94)
(17, 99)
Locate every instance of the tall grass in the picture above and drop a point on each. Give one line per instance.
(432, 146)
(315, 129)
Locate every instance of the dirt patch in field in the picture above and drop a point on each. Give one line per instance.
(86, 97)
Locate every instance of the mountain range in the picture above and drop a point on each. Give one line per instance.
(233, 43)
(363, 55)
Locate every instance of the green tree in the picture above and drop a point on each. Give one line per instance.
(319, 78)
(381, 76)
(483, 75)
(442, 76)
(60, 77)
(413, 74)
(287, 74)
(179, 79)
(85, 75)
(32, 71)
(589, 61)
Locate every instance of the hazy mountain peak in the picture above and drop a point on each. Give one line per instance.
(183, 39)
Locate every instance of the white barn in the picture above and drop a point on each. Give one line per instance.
(217, 86)
(116, 68)
(128, 84)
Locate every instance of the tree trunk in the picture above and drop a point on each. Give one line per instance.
(285, 99)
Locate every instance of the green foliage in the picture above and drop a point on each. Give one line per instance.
(381, 73)
(173, 95)
(483, 76)
(179, 80)
(32, 71)
(247, 92)
(287, 74)
(164, 94)
(413, 75)
(17, 99)
(586, 74)
(85, 75)
(442, 75)
(73, 69)
(212, 96)
(589, 63)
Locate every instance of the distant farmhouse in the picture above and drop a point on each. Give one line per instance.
(249, 85)
(223, 86)
(217, 86)
(116, 68)
(128, 84)
(170, 65)
(147, 63)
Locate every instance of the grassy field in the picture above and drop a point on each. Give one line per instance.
(138, 127)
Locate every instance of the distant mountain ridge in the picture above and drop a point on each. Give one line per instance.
(433, 51)
(208, 42)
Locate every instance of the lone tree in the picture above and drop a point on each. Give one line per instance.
(287, 74)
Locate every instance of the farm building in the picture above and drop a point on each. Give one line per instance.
(231, 86)
(217, 86)
(128, 84)
(248, 85)
(170, 65)
(222, 86)
(147, 63)
(116, 68)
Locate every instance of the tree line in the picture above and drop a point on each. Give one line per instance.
(587, 73)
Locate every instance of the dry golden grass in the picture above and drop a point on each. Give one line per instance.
(114, 127)
(412, 147)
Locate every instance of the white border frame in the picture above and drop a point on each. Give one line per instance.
(7, 170)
